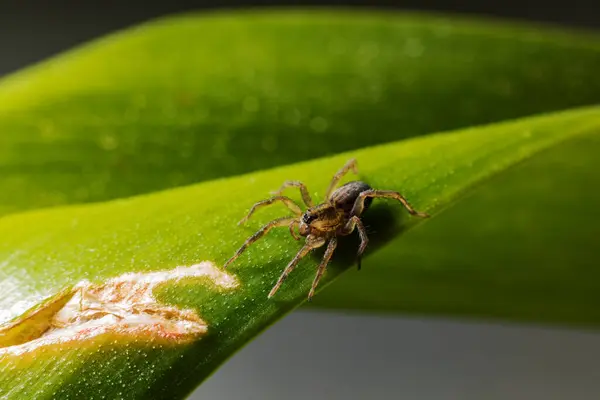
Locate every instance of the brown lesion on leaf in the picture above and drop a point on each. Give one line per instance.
(124, 305)
(34, 322)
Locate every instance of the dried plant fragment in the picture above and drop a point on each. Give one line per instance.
(124, 305)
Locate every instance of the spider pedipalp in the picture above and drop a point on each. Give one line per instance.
(338, 215)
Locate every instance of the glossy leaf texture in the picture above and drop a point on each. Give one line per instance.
(44, 251)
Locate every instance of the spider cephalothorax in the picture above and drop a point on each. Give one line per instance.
(339, 215)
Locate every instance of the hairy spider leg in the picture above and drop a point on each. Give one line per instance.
(285, 221)
(294, 224)
(359, 204)
(356, 223)
(312, 243)
(291, 204)
(303, 191)
(321, 270)
(350, 165)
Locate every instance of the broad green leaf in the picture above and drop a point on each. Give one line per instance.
(43, 252)
(194, 98)
(523, 247)
(198, 97)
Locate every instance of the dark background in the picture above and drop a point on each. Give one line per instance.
(33, 30)
(313, 355)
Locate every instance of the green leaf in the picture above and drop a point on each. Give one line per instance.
(198, 97)
(523, 247)
(46, 251)
(195, 98)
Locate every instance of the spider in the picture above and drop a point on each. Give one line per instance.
(339, 215)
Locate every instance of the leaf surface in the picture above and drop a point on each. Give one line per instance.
(198, 97)
(48, 250)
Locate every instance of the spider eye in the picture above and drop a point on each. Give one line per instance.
(307, 218)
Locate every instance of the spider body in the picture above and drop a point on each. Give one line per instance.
(345, 196)
(338, 215)
(330, 218)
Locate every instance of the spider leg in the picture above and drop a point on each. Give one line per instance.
(359, 204)
(311, 244)
(294, 224)
(303, 191)
(285, 221)
(353, 223)
(328, 253)
(291, 204)
(350, 165)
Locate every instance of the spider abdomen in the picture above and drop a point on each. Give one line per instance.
(321, 224)
(345, 196)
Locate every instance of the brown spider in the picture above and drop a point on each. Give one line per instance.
(339, 215)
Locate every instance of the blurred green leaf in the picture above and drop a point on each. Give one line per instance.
(45, 251)
(198, 97)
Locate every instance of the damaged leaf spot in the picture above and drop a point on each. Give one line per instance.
(124, 306)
